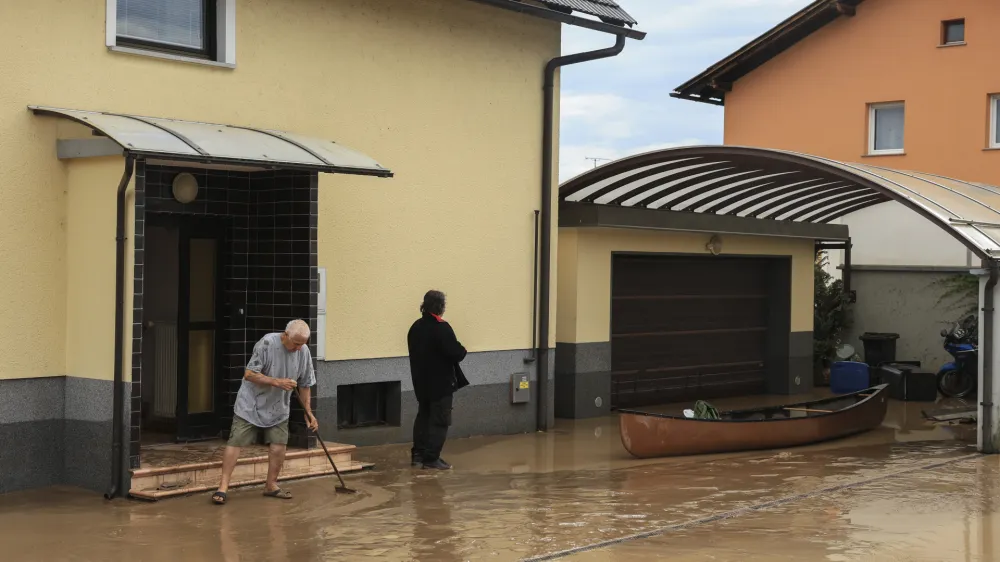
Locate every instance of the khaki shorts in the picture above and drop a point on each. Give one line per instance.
(244, 433)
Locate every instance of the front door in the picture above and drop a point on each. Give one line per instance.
(199, 333)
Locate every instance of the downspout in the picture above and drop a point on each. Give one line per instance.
(119, 405)
(986, 392)
(548, 132)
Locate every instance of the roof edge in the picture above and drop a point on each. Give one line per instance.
(563, 17)
(711, 85)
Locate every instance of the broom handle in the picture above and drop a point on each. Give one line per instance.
(322, 444)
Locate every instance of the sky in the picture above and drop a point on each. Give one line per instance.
(620, 106)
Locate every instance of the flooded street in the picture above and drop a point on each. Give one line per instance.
(907, 491)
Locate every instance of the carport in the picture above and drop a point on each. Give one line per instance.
(719, 191)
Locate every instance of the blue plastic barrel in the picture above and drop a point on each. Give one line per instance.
(848, 376)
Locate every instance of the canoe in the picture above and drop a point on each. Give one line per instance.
(649, 435)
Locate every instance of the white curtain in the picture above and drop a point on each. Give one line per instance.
(178, 23)
(889, 128)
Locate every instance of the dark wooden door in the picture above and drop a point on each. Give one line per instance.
(688, 328)
(199, 328)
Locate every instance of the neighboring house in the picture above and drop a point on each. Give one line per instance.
(366, 151)
(892, 83)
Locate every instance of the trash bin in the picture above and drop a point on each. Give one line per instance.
(880, 348)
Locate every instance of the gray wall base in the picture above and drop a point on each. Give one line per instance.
(582, 380)
(55, 430)
(483, 408)
(797, 377)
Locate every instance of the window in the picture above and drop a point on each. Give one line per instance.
(953, 32)
(183, 26)
(885, 128)
(368, 404)
(995, 121)
(187, 30)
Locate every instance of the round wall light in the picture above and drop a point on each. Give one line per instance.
(185, 187)
(714, 245)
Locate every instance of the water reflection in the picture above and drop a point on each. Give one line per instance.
(433, 532)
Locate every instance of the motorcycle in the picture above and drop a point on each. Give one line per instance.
(960, 378)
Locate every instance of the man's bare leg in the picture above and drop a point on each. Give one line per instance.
(229, 459)
(275, 459)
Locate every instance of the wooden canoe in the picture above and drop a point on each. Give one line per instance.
(648, 435)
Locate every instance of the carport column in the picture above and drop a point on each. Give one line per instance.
(988, 435)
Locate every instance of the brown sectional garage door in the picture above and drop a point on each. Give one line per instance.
(687, 328)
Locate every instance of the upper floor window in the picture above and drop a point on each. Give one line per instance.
(191, 30)
(995, 121)
(885, 128)
(183, 26)
(953, 32)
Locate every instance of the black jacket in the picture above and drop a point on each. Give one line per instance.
(434, 357)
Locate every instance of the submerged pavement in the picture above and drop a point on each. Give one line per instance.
(907, 491)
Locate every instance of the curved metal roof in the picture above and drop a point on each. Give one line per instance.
(789, 187)
(224, 144)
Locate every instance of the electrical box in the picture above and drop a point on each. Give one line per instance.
(520, 388)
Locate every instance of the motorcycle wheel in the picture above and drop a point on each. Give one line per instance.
(955, 383)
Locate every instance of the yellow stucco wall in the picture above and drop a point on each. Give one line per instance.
(584, 313)
(448, 93)
(92, 186)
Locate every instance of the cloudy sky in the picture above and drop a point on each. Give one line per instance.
(615, 107)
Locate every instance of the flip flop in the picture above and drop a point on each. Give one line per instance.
(279, 493)
(219, 498)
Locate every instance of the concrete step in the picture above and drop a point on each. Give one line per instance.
(179, 480)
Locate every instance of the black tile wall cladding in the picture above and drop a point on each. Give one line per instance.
(271, 231)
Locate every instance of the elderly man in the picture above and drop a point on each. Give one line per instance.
(280, 363)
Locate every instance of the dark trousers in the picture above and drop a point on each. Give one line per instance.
(430, 429)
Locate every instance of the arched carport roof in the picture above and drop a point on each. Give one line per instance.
(792, 191)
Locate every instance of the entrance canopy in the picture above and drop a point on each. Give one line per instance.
(777, 192)
(208, 143)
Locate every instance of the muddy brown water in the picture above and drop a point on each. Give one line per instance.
(869, 497)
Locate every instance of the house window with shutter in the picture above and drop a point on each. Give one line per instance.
(191, 30)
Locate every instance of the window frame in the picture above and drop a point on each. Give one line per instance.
(220, 43)
(994, 115)
(944, 32)
(872, 122)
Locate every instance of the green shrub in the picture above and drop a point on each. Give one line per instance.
(831, 313)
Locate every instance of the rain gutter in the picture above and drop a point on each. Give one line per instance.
(548, 134)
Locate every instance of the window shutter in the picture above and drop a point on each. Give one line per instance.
(178, 23)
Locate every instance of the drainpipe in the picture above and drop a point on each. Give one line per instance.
(986, 352)
(548, 132)
(119, 406)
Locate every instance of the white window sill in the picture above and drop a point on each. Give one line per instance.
(992, 148)
(946, 45)
(169, 56)
(884, 153)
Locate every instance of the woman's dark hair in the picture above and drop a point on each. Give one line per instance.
(433, 303)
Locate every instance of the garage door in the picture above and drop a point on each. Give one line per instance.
(688, 328)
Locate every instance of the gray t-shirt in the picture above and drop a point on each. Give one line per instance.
(267, 406)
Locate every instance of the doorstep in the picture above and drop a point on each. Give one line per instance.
(155, 483)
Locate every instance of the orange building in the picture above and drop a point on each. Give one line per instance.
(897, 83)
(903, 84)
